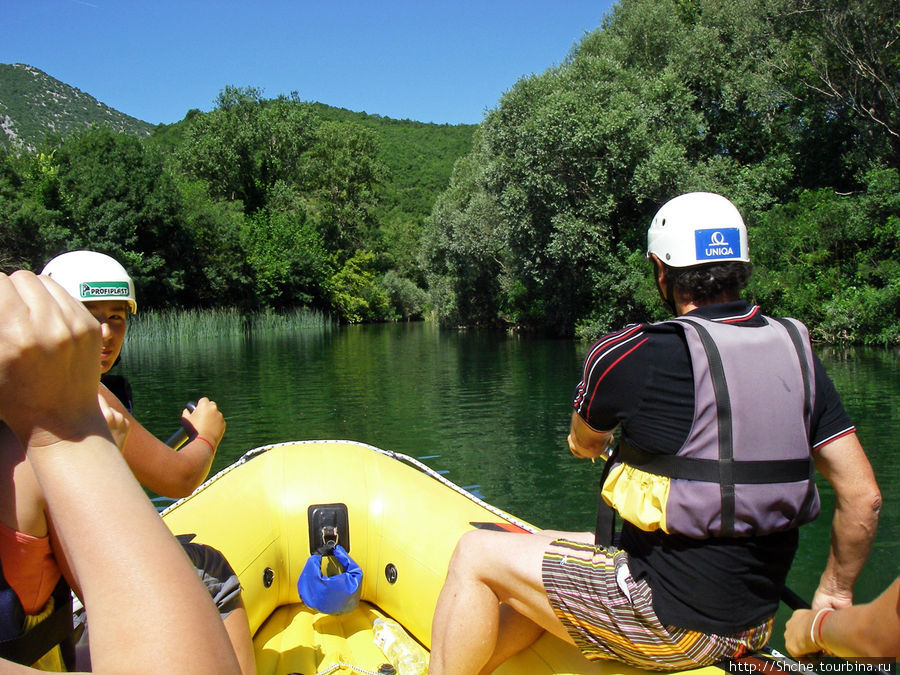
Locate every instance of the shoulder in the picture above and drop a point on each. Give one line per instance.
(627, 352)
(110, 397)
(631, 336)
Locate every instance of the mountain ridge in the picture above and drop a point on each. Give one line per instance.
(33, 104)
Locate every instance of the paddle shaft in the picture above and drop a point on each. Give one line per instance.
(793, 600)
(181, 436)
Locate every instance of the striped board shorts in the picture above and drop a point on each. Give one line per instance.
(610, 615)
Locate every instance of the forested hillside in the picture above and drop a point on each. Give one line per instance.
(259, 204)
(33, 104)
(789, 107)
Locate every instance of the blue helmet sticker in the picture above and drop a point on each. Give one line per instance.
(722, 243)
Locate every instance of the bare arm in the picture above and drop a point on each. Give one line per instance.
(115, 559)
(844, 464)
(119, 427)
(149, 611)
(585, 441)
(872, 629)
(160, 468)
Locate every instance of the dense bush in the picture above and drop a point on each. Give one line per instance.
(835, 261)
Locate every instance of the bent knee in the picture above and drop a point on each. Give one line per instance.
(497, 557)
(476, 553)
(471, 547)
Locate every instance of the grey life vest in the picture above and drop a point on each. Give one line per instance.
(746, 467)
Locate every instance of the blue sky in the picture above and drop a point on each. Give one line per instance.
(442, 61)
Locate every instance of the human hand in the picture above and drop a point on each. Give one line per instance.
(829, 595)
(49, 372)
(797, 638)
(206, 420)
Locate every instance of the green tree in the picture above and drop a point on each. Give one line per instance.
(834, 260)
(117, 198)
(354, 292)
(668, 96)
(29, 213)
(216, 269)
(246, 145)
(342, 173)
(840, 62)
(406, 300)
(462, 247)
(289, 262)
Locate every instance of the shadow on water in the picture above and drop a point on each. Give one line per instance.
(487, 409)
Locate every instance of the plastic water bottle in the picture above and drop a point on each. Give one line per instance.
(404, 653)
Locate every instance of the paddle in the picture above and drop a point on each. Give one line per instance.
(181, 436)
(792, 600)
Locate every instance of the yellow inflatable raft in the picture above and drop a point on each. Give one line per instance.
(403, 521)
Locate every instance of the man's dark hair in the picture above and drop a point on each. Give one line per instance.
(706, 282)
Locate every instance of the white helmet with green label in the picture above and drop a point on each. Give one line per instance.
(89, 276)
(698, 228)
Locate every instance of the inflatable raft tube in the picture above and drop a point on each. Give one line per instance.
(399, 521)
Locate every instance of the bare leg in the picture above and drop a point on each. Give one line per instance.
(515, 634)
(488, 568)
(465, 625)
(238, 628)
(515, 631)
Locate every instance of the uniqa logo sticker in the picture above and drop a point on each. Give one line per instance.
(103, 289)
(718, 244)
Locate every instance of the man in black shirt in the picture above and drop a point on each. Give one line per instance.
(720, 415)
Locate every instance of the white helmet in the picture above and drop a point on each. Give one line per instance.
(89, 276)
(698, 228)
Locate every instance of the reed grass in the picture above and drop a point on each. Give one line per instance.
(173, 325)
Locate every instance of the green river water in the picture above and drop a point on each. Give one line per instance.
(488, 410)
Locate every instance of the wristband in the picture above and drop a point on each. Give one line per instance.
(211, 446)
(815, 630)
